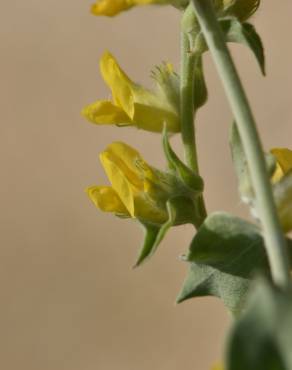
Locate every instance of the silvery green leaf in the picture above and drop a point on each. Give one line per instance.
(262, 338)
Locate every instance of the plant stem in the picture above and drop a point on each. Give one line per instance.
(187, 114)
(187, 103)
(274, 239)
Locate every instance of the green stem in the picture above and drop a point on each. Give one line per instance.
(274, 238)
(187, 114)
(187, 103)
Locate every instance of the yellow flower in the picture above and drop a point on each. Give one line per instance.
(218, 367)
(111, 8)
(137, 189)
(282, 181)
(284, 163)
(132, 104)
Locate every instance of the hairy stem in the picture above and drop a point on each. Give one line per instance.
(187, 103)
(274, 239)
(187, 114)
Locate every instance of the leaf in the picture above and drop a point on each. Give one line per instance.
(244, 33)
(224, 255)
(236, 32)
(261, 339)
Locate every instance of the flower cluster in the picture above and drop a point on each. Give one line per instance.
(137, 189)
(225, 250)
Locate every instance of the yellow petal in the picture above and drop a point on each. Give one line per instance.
(104, 112)
(106, 199)
(218, 367)
(111, 8)
(127, 160)
(284, 162)
(152, 118)
(283, 197)
(119, 83)
(146, 109)
(127, 172)
(119, 175)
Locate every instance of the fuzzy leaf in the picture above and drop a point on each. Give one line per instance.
(244, 33)
(236, 32)
(261, 339)
(224, 255)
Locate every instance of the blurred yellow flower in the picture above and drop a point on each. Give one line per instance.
(284, 163)
(218, 367)
(137, 189)
(132, 104)
(243, 9)
(282, 186)
(111, 8)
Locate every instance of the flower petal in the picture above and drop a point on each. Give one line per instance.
(152, 118)
(104, 112)
(218, 367)
(147, 110)
(119, 83)
(129, 175)
(284, 162)
(116, 171)
(127, 159)
(110, 8)
(106, 199)
(283, 196)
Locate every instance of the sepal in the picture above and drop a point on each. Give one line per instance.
(180, 211)
(194, 182)
(168, 83)
(200, 86)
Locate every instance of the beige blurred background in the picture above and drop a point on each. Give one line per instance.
(69, 298)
